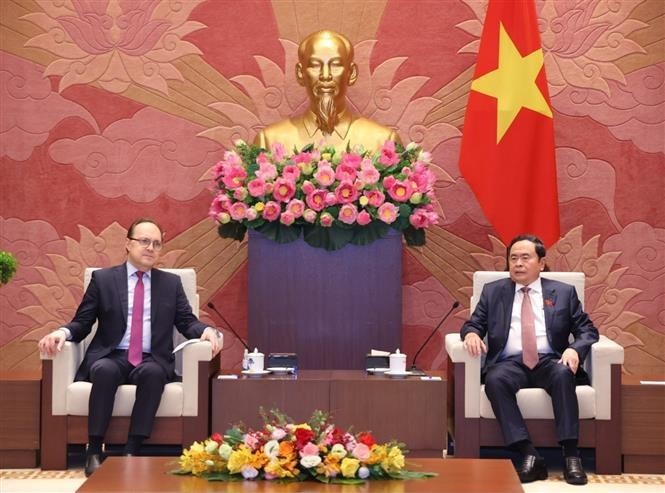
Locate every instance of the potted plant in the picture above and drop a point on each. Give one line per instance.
(8, 266)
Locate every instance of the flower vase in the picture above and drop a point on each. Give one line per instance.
(329, 307)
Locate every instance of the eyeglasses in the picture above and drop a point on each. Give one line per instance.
(146, 242)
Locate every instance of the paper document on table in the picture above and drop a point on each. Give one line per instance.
(652, 382)
(181, 346)
(377, 352)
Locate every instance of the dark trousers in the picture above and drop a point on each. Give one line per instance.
(505, 378)
(107, 373)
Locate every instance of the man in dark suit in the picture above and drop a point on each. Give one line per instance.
(528, 321)
(136, 308)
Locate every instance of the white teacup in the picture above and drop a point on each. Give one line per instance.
(397, 362)
(255, 361)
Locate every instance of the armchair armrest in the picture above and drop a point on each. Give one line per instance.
(604, 354)
(192, 355)
(65, 364)
(458, 354)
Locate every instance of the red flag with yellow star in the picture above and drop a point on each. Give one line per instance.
(507, 154)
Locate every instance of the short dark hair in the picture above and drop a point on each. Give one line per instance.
(140, 220)
(537, 242)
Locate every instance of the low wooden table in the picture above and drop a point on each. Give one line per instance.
(150, 474)
(19, 418)
(643, 425)
(410, 410)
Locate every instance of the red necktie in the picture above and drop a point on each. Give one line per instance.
(135, 354)
(529, 348)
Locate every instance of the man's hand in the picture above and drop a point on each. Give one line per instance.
(474, 344)
(211, 335)
(52, 342)
(571, 359)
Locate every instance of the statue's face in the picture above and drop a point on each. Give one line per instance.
(325, 69)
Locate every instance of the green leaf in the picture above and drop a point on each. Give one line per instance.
(280, 233)
(364, 235)
(331, 239)
(402, 221)
(233, 230)
(308, 148)
(414, 237)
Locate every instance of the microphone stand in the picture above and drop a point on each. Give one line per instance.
(228, 325)
(414, 369)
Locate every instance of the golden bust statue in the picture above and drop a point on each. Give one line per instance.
(326, 69)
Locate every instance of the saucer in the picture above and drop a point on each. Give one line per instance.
(250, 373)
(397, 374)
(281, 369)
(377, 370)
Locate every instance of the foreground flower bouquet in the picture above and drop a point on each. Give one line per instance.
(316, 450)
(331, 199)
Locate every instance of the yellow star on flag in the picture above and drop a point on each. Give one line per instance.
(513, 84)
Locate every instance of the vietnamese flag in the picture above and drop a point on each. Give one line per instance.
(507, 154)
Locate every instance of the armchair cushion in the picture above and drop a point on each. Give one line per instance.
(78, 394)
(537, 404)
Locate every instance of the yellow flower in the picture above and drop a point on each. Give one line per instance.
(240, 458)
(338, 451)
(363, 201)
(394, 462)
(349, 467)
(329, 467)
(378, 454)
(259, 206)
(281, 468)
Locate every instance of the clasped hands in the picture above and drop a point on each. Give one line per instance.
(475, 346)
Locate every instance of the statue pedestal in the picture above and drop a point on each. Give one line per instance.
(330, 308)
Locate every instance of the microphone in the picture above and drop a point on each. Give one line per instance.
(414, 368)
(228, 325)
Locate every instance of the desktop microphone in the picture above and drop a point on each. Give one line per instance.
(228, 325)
(414, 368)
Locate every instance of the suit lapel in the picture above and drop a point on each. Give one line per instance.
(507, 297)
(549, 302)
(120, 277)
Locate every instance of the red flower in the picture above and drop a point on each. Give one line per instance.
(303, 437)
(217, 437)
(336, 436)
(549, 302)
(366, 438)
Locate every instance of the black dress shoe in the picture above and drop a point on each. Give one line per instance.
(92, 463)
(532, 469)
(573, 473)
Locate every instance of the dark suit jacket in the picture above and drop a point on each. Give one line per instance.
(563, 316)
(105, 301)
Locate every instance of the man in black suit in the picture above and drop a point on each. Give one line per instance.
(528, 321)
(136, 308)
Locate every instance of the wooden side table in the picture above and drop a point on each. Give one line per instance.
(19, 418)
(643, 425)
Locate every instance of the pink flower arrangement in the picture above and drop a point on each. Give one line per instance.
(331, 199)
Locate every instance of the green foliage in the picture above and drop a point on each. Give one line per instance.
(8, 265)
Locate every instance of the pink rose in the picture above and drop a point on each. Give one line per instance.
(234, 176)
(400, 191)
(284, 190)
(309, 215)
(251, 214)
(251, 441)
(423, 218)
(364, 218)
(388, 155)
(296, 207)
(287, 218)
(346, 192)
(325, 175)
(389, 181)
(348, 213)
(361, 452)
(345, 172)
(351, 159)
(240, 193)
(267, 170)
(238, 211)
(307, 187)
(368, 173)
(316, 200)
(271, 211)
(257, 187)
(291, 172)
(331, 199)
(376, 197)
(388, 213)
(309, 449)
(302, 157)
(326, 220)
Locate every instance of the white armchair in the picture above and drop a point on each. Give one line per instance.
(183, 413)
(473, 422)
